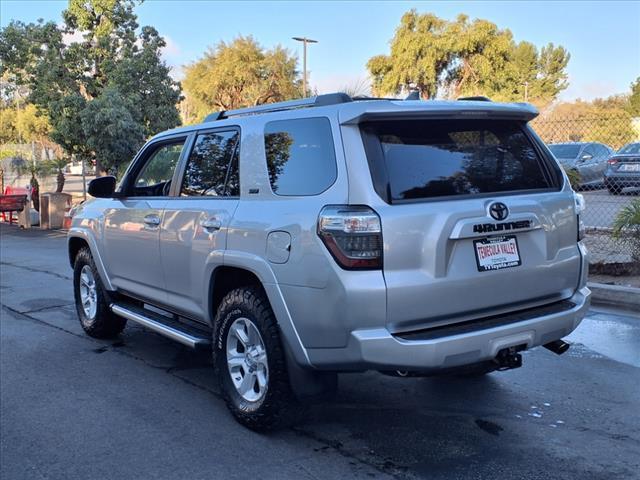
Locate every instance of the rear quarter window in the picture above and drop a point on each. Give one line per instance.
(300, 156)
(423, 159)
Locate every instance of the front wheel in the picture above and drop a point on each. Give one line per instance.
(92, 302)
(250, 361)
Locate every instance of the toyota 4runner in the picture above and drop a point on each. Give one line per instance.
(331, 234)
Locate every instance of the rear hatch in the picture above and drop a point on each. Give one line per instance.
(475, 219)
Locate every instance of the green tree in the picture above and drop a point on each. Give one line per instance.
(420, 54)
(8, 130)
(240, 74)
(463, 57)
(110, 129)
(64, 77)
(552, 77)
(30, 126)
(634, 99)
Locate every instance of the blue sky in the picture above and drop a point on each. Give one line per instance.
(602, 37)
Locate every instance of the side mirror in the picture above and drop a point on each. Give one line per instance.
(102, 187)
(586, 157)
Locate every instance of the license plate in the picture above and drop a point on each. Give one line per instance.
(629, 167)
(495, 253)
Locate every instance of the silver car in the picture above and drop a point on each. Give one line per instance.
(623, 169)
(588, 159)
(306, 238)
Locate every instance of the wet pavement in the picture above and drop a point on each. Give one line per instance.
(144, 407)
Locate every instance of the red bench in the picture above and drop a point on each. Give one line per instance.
(12, 204)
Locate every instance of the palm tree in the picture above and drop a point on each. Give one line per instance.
(56, 166)
(627, 225)
(22, 166)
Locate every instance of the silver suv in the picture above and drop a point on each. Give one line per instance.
(330, 234)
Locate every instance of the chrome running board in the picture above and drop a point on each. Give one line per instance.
(160, 324)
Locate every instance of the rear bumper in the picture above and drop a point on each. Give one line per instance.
(378, 349)
(631, 180)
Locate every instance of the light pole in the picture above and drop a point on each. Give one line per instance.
(304, 41)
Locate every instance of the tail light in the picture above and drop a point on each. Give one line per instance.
(353, 235)
(612, 161)
(580, 206)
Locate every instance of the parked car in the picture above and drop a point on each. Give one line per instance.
(623, 169)
(324, 235)
(589, 159)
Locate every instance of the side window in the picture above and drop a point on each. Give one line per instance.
(602, 152)
(300, 155)
(233, 179)
(212, 169)
(154, 179)
(589, 150)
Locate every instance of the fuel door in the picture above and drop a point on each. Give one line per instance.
(278, 247)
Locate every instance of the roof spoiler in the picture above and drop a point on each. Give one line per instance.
(446, 110)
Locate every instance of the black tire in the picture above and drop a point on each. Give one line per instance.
(277, 405)
(614, 189)
(104, 324)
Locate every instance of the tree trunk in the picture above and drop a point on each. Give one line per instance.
(35, 193)
(60, 181)
(425, 92)
(99, 168)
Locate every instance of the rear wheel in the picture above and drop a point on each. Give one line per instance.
(92, 300)
(614, 189)
(250, 361)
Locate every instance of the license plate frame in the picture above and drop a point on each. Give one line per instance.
(503, 258)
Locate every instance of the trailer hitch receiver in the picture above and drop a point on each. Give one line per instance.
(509, 358)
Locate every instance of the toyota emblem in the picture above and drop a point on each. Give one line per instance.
(498, 211)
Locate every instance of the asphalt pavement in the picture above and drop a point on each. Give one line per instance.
(143, 407)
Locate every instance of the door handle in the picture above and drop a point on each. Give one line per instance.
(211, 224)
(152, 220)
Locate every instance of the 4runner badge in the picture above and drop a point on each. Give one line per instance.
(500, 227)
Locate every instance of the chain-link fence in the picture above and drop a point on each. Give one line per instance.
(602, 157)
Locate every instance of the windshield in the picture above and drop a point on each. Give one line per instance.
(565, 151)
(632, 148)
(427, 158)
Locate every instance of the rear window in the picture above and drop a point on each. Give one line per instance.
(630, 149)
(418, 159)
(565, 151)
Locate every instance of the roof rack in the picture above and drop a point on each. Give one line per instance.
(478, 98)
(317, 101)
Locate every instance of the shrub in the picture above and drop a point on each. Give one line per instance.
(627, 226)
(574, 177)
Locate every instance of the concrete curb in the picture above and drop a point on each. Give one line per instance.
(615, 295)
